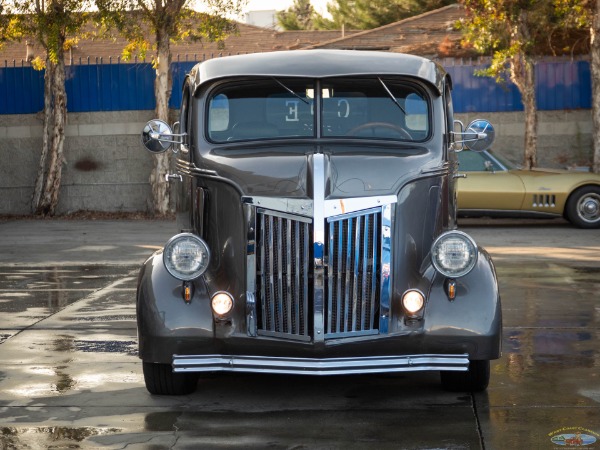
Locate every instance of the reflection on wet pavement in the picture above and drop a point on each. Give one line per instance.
(73, 378)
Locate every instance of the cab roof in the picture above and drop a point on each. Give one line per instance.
(318, 64)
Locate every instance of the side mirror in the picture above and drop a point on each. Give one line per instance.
(478, 136)
(158, 137)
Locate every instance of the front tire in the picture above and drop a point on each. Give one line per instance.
(161, 380)
(583, 207)
(476, 379)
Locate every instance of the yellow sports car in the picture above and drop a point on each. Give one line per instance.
(490, 185)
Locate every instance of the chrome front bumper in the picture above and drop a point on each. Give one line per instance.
(314, 366)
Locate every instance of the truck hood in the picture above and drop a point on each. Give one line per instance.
(351, 170)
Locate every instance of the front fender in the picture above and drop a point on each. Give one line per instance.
(166, 323)
(475, 314)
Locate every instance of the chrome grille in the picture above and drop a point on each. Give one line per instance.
(353, 274)
(285, 261)
(283, 275)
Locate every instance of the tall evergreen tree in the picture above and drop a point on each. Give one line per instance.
(369, 14)
(299, 16)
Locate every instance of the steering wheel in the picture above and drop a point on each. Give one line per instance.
(390, 126)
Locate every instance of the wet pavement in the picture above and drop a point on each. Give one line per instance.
(70, 377)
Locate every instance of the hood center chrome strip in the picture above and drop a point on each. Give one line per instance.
(318, 243)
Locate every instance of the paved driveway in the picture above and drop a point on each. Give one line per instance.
(70, 378)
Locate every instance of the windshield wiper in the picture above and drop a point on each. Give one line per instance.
(289, 90)
(394, 99)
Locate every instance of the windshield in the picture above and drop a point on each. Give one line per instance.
(352, 108)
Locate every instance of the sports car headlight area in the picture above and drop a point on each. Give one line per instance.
(454, 254)
(186, 256)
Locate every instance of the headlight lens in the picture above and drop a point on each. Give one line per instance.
(454, 254)
(222, 303)
(413, 302)
(186, 256)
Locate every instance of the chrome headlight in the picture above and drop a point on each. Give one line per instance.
(454, 254)
(186, 256)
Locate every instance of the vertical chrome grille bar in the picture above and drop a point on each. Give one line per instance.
(365, 320)
(375, 269)
(339, 281)
(348, 272)
(271, 295)
(297, 286)
(330, 269)
(263, 272)
(279, 268)
(355, 279)
(288, 275)
(305, 267)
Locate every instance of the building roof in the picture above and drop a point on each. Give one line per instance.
(432, 34)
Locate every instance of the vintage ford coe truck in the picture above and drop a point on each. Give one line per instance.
(316, 209)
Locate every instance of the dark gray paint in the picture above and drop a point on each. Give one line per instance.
(218, 176)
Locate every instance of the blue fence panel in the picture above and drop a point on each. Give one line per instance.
(474, 93)
(180, 69)
(562, 85)
(21, 90)
(119, 87)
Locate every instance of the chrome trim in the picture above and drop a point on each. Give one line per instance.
(544, 201)
(251, 324)
(318, 189)
(387, 254)
(190, 168)
(302, 207)
(441, 170)
(353, 265)
(316, 366)
(350, 205)
(282, 239)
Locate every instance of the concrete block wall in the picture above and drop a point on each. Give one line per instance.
(107, 169)
(564, 137)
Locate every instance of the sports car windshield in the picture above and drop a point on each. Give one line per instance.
(350, 108)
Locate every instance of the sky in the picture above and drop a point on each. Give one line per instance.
(258, 5)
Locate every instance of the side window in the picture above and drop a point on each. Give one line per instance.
(218, 114)
(416, 113)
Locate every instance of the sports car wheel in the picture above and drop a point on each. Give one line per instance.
(161, 380)
(475, 379)
(583, 207)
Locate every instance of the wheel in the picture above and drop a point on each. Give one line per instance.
(583, 207)
(161, 380)
(391, 126)
(476, 379)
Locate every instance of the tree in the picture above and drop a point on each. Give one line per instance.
(515, 33)
(55, 24)
(369, 14)
(153, 25)
(299, 16)
(585, 14)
